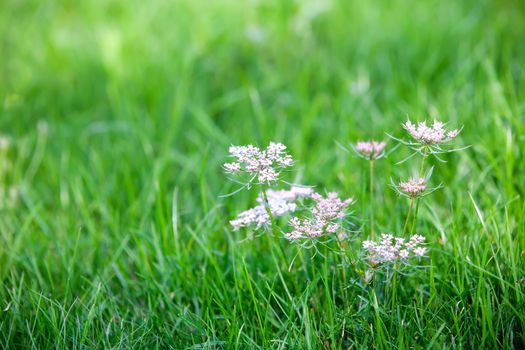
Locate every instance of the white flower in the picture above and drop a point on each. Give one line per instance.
(325, 217)
(420, 251)
(427, 135)
(280, 202)
(414, 187)
(391, 248)
(265, 164)
(232, 167)
(370, 149)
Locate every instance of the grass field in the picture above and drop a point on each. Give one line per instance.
(119, 115)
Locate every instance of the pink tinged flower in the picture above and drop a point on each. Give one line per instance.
(265, 164)
(281, 202)
(267, 175)
(420, 251)
(391, 248)
(232, 167)
(332, 228)
(414, 187)
(324, 218)
(452, 134)
(430, 135)
(370, 149)
(403, 254)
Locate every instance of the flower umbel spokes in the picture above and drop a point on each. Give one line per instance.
(432, 139)
(263, 166)
(394, 249)
(325, 217)
(370, 150)
(415, 186)
(281, 202)
(430, 135)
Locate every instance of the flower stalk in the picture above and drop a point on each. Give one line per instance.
(266, 204)
(372, 235)
(421, 172)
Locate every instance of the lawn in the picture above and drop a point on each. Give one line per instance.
(116, 118)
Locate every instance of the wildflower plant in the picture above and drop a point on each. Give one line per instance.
(263, 168)
(432, 139)
(281, 202)
(371, 151)
(426, 140)
(394, 249)
(323, 219)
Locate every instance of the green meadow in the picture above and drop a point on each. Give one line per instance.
(116, 118)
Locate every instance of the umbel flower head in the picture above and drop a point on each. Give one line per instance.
(280, 202)
(430, 135)
(391, 248)
(414, 187)
(263, 165)
(325, 217)
(370, 150)
(428, 139)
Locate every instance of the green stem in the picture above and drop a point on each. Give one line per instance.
(421, 169)
(372, 235)
(408, 216)
(394, 286)
(268, 210)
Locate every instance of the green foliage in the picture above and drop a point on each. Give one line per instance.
(120, 114)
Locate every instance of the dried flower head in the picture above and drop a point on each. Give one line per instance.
(391, 248)
(280, 202)
(414, 187)
(326, 216)
(370, 149)
(430, 135)
(265, 165)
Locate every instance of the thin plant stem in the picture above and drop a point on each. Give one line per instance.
(372, 235)
(394, 285)
(421, 172)
(408, 216)
(268, 210)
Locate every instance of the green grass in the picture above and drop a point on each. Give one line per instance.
(120, 114)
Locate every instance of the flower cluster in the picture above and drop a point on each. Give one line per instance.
(326, 216)
(280, 202)
(263, 164)
(414, 187)
(427, 135)
(391, 248)
(370, 149)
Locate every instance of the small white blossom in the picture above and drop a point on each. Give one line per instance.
(391, 248)
(370, 149)
(414, 187)
(430, 135)
(280, 202)
(264, 164)
(232, 167)
(420, 251)
(326, 215)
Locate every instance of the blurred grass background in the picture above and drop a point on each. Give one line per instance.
(121, 112)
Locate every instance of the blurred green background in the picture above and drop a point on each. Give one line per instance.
(121, 112)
